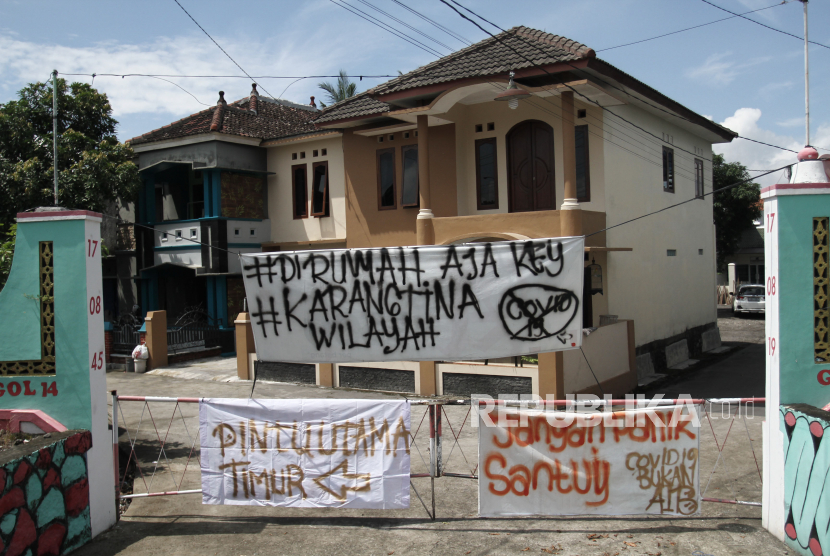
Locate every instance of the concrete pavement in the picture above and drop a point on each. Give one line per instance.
(182, 525)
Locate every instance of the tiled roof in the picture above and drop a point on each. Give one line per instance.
(272, 120)
(506, 51)
(358, 105)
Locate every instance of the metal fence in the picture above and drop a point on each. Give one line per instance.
(160, 444)
(193, 336)
(125, 338)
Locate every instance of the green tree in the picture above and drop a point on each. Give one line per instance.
(6, 252)
(735, 209)
(94, 168)
(343, 89)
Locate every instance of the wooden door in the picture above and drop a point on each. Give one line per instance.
(530, 166)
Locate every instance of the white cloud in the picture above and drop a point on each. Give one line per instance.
(745, 121)
(290, 53)
(771, 90)
(718, 70)
(792, 122)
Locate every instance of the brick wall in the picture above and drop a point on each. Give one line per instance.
(108, 345)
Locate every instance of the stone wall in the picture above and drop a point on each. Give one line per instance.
(44, 507)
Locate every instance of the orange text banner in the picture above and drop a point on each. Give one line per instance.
(567, 463)
(305, 453)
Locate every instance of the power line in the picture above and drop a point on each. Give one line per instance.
(589, 100)
(765, 25)
(393, 18)
(220, 48)
(693, 27)
(594, 77)
(434, 23)
(720, 189)
(374, 21)
(224, 76)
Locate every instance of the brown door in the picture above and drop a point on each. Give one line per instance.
(530, 163)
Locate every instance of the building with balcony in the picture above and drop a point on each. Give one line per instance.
(578, 148)
(208, 193)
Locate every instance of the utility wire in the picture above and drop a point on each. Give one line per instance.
(765, 25)
(591, 101)
(587, 99)
(720, 189)
(224, 76)
(119, 220)
(405, 24)
(220, 47)
(601, 391)
(434, 23)
(374, 21)
(177, 85)
(693, 27)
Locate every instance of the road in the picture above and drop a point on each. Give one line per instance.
(740, 374)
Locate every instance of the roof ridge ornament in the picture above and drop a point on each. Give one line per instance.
(253, 103)
(219, 113)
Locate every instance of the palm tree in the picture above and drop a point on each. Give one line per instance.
(342, 90)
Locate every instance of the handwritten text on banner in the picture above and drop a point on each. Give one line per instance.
(305, 453)
(566, 463)
(472, 301)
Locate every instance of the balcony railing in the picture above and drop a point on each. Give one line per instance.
(513, 225)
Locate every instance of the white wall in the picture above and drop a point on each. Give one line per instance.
(284, 228)
(664, 295)
(248, 231)
(606, 349)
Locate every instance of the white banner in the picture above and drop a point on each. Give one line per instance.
(472, 301)
(305, 453)
(567, 463)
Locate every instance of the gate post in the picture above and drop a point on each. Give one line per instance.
(156, 323)
(244, 346)
(53, 346)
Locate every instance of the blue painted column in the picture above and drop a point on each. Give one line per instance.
(207, 177)
(222, 300)
(211, 296)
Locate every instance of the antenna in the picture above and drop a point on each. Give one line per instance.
(806, 74)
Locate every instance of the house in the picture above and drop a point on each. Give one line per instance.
(208, 193)
(434, 157)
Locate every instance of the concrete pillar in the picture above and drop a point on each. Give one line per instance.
(571, 216)
(156, 339)
(425, 379)
(244, 346)
(325, 374)
(551, 365)
(552, 375)
(424, 235)
(424, 232)
(731, 275)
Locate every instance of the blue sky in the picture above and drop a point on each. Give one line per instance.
(736, 72)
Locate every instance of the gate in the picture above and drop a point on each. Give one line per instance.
(196, 329)
(162, 446)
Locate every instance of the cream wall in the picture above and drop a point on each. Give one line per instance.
(284, 228)
(663, 295)
(544, 109)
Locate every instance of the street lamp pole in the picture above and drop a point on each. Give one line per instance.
(55, 130)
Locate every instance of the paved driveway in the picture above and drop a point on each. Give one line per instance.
(182, 525)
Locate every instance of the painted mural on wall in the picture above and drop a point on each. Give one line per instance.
(44, 507)
(806, 479)
(243, 196)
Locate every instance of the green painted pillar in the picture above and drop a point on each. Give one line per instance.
(52, 363)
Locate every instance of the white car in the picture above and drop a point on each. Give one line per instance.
(749, 299)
